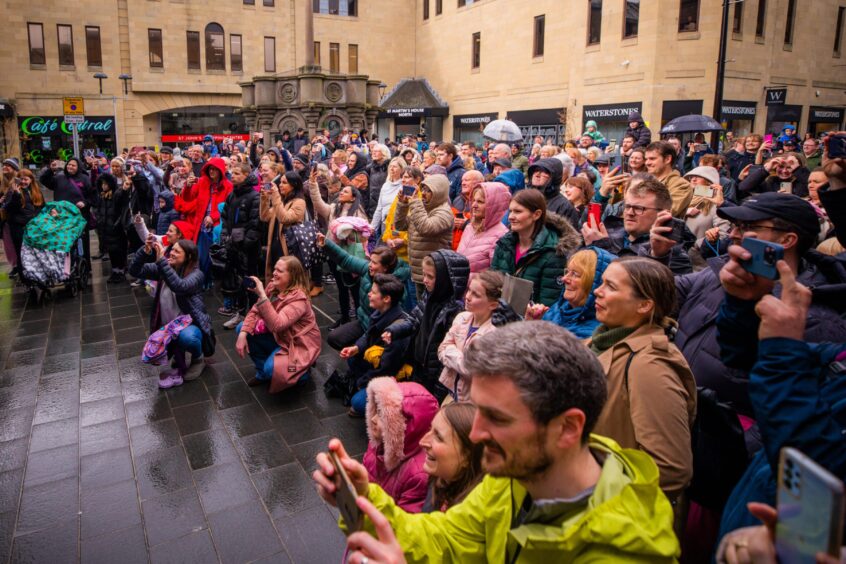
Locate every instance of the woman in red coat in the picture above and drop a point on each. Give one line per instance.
(199, 205)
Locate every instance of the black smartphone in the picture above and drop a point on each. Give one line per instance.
(837, 146)
(248, 283)
(128, 166)
(408, 191)
(765, 255)
(313, 167)
(677, 234)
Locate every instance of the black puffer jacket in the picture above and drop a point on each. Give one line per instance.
(759, 181)
(378, 174)
(241, 211)
(71, 188)
(433, 317)
(555, 200)
(111, 207)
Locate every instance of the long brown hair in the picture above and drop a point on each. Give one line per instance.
(460, 417)
(653, 281)
(299, 278)
(34, 188)
(533, 200)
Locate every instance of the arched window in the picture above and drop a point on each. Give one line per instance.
(215, 48)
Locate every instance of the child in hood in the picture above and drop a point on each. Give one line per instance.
(398, 416)
(592, 131)
(167, 214)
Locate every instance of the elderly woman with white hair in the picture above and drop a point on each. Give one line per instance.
(380, 157)
(387, 194)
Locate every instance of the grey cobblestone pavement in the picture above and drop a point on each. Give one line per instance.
(99, 465)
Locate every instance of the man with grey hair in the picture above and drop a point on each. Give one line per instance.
(377, 170)
(499, 151)
(554, 492)
(195, 152)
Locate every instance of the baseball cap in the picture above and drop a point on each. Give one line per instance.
(769, 205)
(602, 160)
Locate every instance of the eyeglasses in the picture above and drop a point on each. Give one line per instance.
(637, 210)
(743, 227)
(568, 273)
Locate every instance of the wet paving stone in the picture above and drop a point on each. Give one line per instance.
(196, 418)
(146, 411)
(209, 448)
(54, 434)
(245, 420)
(58, 544)
(10, 489)
(196, 547)
(162, 471)
(243, 533)
(126, 546)
(53, 464)
(224, 486)
(263, 451)
(173, 515)
(188, 393)
(14, 454)
(47, 503)
(154, 436)
(102, 437)
(105, 468)
(299, 531)
(110, 508)
(101, 411)
(285, 490)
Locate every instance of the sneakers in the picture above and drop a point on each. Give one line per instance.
(170, 379)
(253, 382)
(328, 279)
(226, 310)
(234, 321)
(136, 283)
(104, 258)
(117, 277)
(195, 369)
(316, 291)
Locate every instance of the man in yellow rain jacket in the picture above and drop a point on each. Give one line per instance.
(554, 492)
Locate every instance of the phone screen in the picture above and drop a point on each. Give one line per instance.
(703, 191)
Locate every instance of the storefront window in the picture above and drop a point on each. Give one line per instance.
(47, 138)
(612, 120)
(185, 125)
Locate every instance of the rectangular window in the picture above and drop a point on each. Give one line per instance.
(268, 3)
(761, 20)
(154, 37)
(317, 53)
(250, 2)
(353, 59)
(476, 60)
(594, 21)
(838, 33)
(334, 57)
(439, 7)
(631, 18)
(335, 7)
(462, 3)
(65, 35)
(36, 44)
(788, 24)
(269, 54)
(93, 51)
(193, 49)
(236, 58)
(688, 15)
(425, 9)
(540, 29)
(737, 21)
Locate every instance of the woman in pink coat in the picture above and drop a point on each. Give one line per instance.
(489, 204)
(399, 414)
(280, 332)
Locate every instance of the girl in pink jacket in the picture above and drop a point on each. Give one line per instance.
(398, 414)
(489, 204)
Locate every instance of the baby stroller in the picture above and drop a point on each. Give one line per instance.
(52, 255)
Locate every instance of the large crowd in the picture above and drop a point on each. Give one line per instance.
(686, 320)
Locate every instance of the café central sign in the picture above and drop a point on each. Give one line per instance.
(56, 125)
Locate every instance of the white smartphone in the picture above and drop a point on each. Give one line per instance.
(810, 504)
(703, 191)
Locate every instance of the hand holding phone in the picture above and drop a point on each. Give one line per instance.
(595, 213)
(345, 495)
(764, 256)
(408, 190)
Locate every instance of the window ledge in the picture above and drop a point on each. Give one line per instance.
(157, 69)
(33, 66)
(689, 35)
(94, 68)
(836, 54)
(760, 40)
(216, 71)
(538, 59)
(67, 67)
(629, 41)
(592, 48)
(788, 47)
(195, 71)
(237, 73)
(737, 36)
(477, 70)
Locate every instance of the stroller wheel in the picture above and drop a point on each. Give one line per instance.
(46, 296)
(73, 287)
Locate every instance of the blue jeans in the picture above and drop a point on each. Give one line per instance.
(204, 242)
(263, 347)
(190, 340)
(359, 401)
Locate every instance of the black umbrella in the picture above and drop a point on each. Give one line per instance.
(693, 123)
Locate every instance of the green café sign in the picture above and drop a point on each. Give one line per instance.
(55, 125)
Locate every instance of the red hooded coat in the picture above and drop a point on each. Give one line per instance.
(193, 201)
(405, 412)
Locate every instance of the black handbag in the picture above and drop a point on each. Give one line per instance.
(300, 240)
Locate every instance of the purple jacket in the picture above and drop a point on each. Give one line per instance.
(405, 411)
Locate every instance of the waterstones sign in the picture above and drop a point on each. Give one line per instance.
(55, 125)
(611, 112)
(735, 109)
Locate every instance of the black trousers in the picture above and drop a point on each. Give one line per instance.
(342, 282)
(345, 336)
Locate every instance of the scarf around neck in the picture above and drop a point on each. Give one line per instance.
(604, 338)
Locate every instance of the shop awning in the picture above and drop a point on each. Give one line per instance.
(413, 97)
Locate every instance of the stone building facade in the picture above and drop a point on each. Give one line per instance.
(596, 61)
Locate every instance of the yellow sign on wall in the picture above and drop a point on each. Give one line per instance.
(74, 106)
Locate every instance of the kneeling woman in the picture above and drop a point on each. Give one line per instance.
(280, 332)
(651, 392)
(179, 292)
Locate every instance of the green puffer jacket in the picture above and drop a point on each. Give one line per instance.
(627, 519)
(545, 260)
(361, 267)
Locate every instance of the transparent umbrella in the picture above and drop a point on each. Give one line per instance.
(503, 130)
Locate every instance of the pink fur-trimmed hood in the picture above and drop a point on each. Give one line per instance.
(405, 411)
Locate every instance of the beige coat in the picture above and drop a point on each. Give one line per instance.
(273, 210)
(451, 353)
(429, 226)
(680, 190)
(655, 411)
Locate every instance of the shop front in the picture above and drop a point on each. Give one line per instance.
(612, 120)
(184, 126)
(671, 109)
(469, 127)
(411, 107)
(47, 138)
(545, 123)
(822, 119)
(738, 116)
(781, 115)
